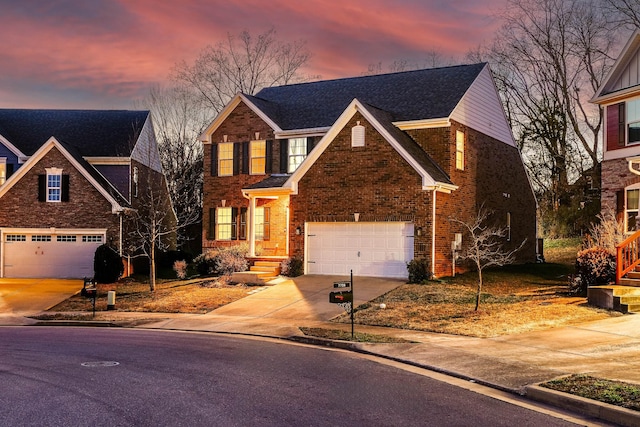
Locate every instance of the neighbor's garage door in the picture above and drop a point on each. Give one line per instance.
(378, 249)
(50, 255)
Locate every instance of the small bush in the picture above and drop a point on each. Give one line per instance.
(221, 261)
(293, 267)
(594, 267)
(419, 271)
(107, 265)
(180, 267)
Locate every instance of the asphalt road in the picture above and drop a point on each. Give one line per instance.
(55, 376)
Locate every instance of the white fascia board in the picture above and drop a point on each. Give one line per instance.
(623, 59)
(4, 141)
(228, 109)
(266, 192)
(54, 230)
(300, 133)
(347, 114)
(622, 153)
(38, 155)
(615, 97)
(423, 124)
(109, 161)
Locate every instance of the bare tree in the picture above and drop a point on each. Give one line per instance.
(549, 58)
(178, 121)
(485, 247)
(433, 59)
(625, 12)
(243, 63)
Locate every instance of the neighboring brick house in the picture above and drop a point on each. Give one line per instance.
(71, 180)
(619, 95)
(365, 173)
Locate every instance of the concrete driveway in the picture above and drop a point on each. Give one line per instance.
(278, 310)
(23, 297)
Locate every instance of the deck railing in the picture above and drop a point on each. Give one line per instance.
(627, 255)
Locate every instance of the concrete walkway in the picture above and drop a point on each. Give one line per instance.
(608, 348)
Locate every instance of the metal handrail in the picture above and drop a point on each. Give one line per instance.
(627, 255)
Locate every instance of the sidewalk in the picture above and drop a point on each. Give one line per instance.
(608, 348)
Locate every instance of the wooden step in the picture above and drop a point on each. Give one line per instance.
(633, 275)
(625, 281)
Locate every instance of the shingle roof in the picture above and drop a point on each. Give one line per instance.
(411, 95)
(94, 133)
(273, 181)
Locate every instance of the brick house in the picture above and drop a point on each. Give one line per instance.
(619, 95)
(365, 173)
(71, 180)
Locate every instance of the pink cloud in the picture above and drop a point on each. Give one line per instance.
(117, 51)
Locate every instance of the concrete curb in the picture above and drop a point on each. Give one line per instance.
(86, 323)
(593, 408)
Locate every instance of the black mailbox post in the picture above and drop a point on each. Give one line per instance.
(89, 290)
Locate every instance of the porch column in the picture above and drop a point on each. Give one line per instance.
(251, 226)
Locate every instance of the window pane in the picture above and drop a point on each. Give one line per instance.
(632, 199)
(258, 157)
(631, 221)
(297, 152)
(259, 218)
(224, 223)
(634, 133)
(633, 111)
(459, 150)
(225, 159)
(54, 188)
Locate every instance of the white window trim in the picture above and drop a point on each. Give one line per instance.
(53, 172)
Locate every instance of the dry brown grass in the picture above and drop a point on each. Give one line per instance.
(514, 299)
(183, 296)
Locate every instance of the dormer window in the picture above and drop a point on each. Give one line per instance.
(357, 135)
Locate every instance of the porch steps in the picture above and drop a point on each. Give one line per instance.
(261, 273)
(623, 298)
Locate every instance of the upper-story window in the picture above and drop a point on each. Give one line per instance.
(225, 159)
(459, 150)
(258, 158)
(633, 121)
(54, 185)
(3, 170)
(135, 181)
(297, 153)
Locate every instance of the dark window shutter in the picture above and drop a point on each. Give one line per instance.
(245, 158)
(9, 169)
(284, 155)
(211, 230)
(622, 125)
(214, 159)
(311, 142)
(234, 223)
(42, 188)
(65, 188)
(267, 226)
(613, 128)
(237, 151)
(268, 167)
(242, 235)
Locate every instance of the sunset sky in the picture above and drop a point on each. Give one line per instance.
(105, 54)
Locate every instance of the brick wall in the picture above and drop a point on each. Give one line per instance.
(86, 208)
(615, 177)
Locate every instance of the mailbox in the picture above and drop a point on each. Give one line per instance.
(340, 297)
(89, 289)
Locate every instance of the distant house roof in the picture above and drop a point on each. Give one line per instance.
(411, 95)
(93, 133)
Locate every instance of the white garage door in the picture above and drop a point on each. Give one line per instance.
(377, 249)
(49, 255)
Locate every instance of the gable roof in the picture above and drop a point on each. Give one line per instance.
(624, 77)
(94, 133)
(410, 95)
(118, 202)
(433, 178)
